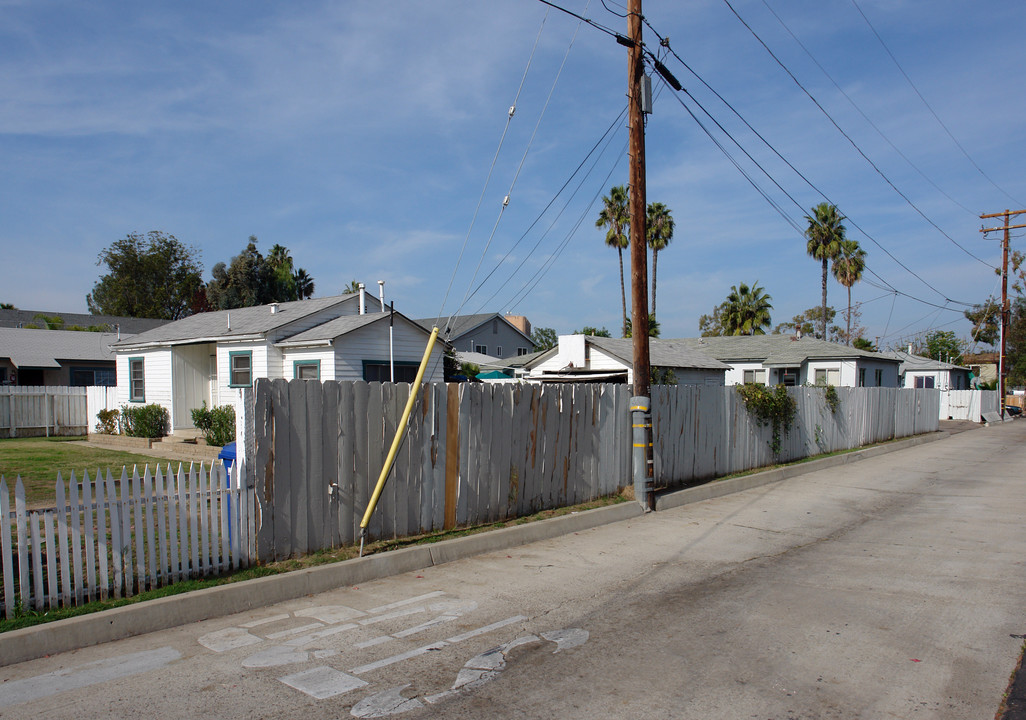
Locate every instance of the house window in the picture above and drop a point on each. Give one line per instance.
(88, 377)
(755, 377)
(240, 369)
(136, 380)
(925, 381)
(379, 371)
(789, 377)
(522, 351)
(483, 349)
(879, 377)
(498, 351)
(828, 376)
(862, 377)
(306, 369)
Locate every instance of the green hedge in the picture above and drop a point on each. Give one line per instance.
(217, 424)
(146, 421)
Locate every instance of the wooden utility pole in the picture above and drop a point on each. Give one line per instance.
(640, 403)
(1007, 214)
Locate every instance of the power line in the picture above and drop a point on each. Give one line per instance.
(929, 107)
(860, 111)
(850, 140)
(491, 168)
(665, 43)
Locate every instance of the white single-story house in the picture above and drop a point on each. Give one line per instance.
(56, 357)
(922, 372)
(586, 358)
(797, 360)
(210, 357)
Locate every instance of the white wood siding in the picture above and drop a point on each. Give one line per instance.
(371, 343)
(156, 376)
(326, 356)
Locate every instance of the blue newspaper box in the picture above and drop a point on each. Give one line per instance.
(227, 456)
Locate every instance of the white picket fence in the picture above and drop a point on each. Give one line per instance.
(116, 538)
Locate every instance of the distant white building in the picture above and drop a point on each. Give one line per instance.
(922, 372)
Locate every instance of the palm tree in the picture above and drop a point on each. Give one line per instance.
(659, 229)
(747, 310)
(848, 268)
(304, 285)
(825, 234)
(615, 216)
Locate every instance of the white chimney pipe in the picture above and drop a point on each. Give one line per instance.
(381, 294)
(363, 300)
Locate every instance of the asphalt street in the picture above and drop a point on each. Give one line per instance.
(892, 587)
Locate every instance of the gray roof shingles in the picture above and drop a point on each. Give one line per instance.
(45, 348)
(249, 321)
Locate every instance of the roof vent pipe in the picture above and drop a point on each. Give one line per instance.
(910, 348)
(363, 300)
(381, 294)
(274, 308)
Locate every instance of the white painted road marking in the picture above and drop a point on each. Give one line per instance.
(41, 686)
(323, 682)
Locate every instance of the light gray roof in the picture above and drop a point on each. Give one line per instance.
(46, 348)
(13, 318)
(237, 323)
(913, 363)
(662, 353)
(340, 326)
(777, 350)
(462, 324)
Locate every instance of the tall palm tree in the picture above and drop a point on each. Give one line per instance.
(747, 310)
(615, 216)
(848, 267)
(825, 234)
(659, 229)
(304, 285)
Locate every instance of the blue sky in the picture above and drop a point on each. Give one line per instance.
(361, 136)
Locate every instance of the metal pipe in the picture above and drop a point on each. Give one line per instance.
(387, 468)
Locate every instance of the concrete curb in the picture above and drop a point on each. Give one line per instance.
(154, 615)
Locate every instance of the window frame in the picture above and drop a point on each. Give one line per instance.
(140, 395)
(232, 355)
(296, 364)
(878, 374)
(404, 364)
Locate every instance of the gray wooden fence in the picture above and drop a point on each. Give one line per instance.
(481, 453)
(473, 454)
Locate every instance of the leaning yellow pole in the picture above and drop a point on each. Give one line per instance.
(387, 468)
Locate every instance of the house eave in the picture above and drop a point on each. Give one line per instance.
(187, 341)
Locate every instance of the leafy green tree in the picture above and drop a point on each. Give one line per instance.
(653, 327)
(747, 310)
(594, 332)
(659, 230)
(809, 323)
(1016, 344)
(848, 267)
(860, 343)
(943, 345)
(615, 216)
(825, 234)
(986, 320)
(50, 322)
(713, 325)
(544, 338)
(148, 276)
(7, 306)
(252, 279)
(352, 287)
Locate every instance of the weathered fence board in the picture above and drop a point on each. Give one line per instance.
(480, 453)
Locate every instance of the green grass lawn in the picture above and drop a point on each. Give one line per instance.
(38, 460)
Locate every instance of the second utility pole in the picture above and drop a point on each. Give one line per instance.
(641, 414)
